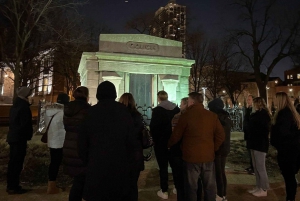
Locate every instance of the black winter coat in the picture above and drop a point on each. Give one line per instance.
(74, 114)
(161, 124)
(106, 145)
(285, 134)
(227, 124)
(138, 161)
(20, 122)
(246, 122)
(259, 124)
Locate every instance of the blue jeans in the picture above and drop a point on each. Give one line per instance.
(192, 173)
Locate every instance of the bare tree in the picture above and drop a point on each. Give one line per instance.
(29, 28)
(198, 50)
(266, 38)
(141, 23)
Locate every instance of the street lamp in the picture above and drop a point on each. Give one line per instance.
(267, 95)
(204, 101)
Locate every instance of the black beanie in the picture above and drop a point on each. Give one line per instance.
(106, 90)
(63, 98)
(216, 105)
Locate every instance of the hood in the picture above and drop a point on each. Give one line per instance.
(106, 90)
(74, 107)
(52, 111)
(23, 92)
(223, 114)
(216, 105)
(167, 105)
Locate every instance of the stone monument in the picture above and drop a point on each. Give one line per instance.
(139, 64)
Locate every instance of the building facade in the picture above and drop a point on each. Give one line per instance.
(170, 23)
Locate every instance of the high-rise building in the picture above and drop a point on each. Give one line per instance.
(170, 22)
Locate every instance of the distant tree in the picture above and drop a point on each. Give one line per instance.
(30, 27)
(141, 23)
(197, 48)
(269, 34)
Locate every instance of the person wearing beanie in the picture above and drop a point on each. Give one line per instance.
(106, 145)
(20, 131)
(74, 114)
(56, 137)
(216, 106)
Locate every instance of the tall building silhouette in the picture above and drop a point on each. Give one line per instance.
(170, 22)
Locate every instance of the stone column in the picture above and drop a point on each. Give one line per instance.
(170, 83)
(90, 79)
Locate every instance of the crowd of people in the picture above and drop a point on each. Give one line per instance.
(100, 146)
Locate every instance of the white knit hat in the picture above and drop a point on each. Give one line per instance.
(23, 92)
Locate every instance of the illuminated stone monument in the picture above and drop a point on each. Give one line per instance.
(139, 64)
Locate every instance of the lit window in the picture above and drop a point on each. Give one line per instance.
(288, 77)
(298, 76)
(291, 77)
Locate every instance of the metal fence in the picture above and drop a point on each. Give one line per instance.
(236, 114)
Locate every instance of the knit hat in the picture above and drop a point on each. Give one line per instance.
(63, 98)
(106, 90)
(216, 105)
(23, 92)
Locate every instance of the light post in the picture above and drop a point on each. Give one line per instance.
(267, 96)
(204, 99)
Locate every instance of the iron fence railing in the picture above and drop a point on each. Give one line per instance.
(236, 114)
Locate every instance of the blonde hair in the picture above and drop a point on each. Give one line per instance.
(284, 101)
(261, 104)
(162, 95)
(128, 100)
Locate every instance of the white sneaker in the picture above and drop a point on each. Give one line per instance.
(175, 191)
(163, 195)
(218, 198)
(253, 190)
(260, 193)
(225, 199)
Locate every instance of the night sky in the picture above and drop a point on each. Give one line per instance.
(212, 16)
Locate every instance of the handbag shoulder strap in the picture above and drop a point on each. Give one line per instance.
(50, 123)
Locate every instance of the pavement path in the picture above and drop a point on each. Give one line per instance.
(238, 184)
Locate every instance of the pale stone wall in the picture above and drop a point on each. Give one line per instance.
(121, 55)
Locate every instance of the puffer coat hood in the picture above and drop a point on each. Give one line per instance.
(56, 132)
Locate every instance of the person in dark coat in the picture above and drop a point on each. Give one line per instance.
(137, 162)
(285, 137)
(217, 106)
(20, 131)
(248, 111)
(176, 161)
(161, 129)
(258, 143)
(74, 114)
(106, 145)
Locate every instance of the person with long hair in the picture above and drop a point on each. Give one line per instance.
(285, 138)
(258, 143)
(56, 137)
(74, 114)
(137, 163)
(248, 111)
